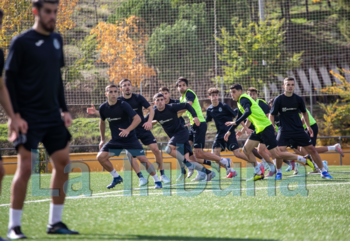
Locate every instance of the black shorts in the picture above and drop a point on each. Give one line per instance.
(314, 128)
(146, 137)
(115, 147)
(197, 135)
(54, 138)
(267, 137)
(293, 139)
(230, 145)
(181, 140)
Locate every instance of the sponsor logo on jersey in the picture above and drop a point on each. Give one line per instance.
(113, 119)
(39, 43)
(220, 109)
(285, 109)
(163, 121)
(56, 43)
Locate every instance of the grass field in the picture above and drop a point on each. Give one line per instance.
(241, 212)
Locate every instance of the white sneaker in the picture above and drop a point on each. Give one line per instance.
(266, 166)
(210, 176)
(181, 177)
(142, 181)
(190, 172)
(164, 179)
(296, 167)
(338, 149)
(199, 178)
(15, 233)
(325, 165)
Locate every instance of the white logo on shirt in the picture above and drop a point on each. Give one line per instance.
(40, 42)
(285, 109)
(141, 151)
(163, 121)
(136, 109)
(114, 119)
(220, 109)
(56, 44)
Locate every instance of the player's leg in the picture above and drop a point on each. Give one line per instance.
(264, 153)
(2, 172)
(151, 170)
(248, 147)
(317, 159)
(155, 150)
(135, 165)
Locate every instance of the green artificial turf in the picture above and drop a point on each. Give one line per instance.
(205, 213)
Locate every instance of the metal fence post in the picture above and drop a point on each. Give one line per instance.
(340, 158)
(46, 162)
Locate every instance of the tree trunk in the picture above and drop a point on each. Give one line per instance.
(329, 3)
(287, 10)
(307, 9)
(256, 11)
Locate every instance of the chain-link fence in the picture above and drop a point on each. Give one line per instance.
(210, 42)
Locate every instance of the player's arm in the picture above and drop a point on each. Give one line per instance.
(92, 110)
(305, 115)
(62, 102)
(274, 111)
(208, 117)
(154, 122)
(136, 120)
(185, 106)
(149, 123)
(102, 127)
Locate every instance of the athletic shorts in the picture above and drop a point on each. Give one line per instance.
(293, 139)
(54, 138)
(230, 145)
(197, 135)
(181, 139)
(314, 128)
(267, 137)
(146, 137)
(0, 157)
(115, 147)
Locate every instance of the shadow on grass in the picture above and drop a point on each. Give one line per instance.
(146, 237)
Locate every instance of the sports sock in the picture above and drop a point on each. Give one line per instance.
(183, 171)
(272, 167)
(224, 161)
(201, 173)
(279, 170)
(232, 170)
(206, 170)
(301, 159)
(323, 169)
(331, 148)
(257, 169)
(114, 173)
(206, 162)
(15, 218)
(155, 178)
(55, 215)
(139, 175)
(263, 160)
(161, 172)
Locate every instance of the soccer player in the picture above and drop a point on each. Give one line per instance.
(288, 105)
(143, 133)
(119, 114)
(167, 116)
(5, 102)
(222, 113)
(264, 132)
(197, 133)
(34, 81)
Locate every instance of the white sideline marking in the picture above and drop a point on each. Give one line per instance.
(98, 195)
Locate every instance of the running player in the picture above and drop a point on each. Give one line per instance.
(119, 113)
(264, 132)
(197, 133)
(5, 102)
(288, 105)
(34, 81)
(167, 116)
(222, 113)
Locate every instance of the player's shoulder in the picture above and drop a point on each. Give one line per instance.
(279, 97)
(298, 97)
(210, 107)
(103, 105)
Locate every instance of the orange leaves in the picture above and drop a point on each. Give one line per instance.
(121, 46)
(65, 11)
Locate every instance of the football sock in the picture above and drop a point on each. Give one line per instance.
(331, 148)
(55, 215)
(139, 175)
(15, 218)
(114, 173)
(161, 172)
(206, 162)
(155, 178)
(301, 159)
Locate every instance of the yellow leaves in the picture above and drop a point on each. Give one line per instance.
(121, 46)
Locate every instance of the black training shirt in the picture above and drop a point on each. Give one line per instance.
(119, 116)
(288, 109)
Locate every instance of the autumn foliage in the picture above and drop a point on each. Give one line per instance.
(121, 46)
(18, 16)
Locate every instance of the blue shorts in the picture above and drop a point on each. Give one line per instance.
(197, 135)
(115, 147)
(230, 145)
(146, 137)
(267, 137)
(293, 139)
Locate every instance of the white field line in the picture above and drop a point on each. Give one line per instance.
(98, 195)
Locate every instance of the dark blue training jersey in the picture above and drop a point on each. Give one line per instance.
(119, 116)
(136, 102)
(288, 109)
(172, 101)
(34, 62)
(169, 120)
(221, 114)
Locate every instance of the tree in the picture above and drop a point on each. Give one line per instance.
(121, 46)
(256, 54)
(18, 17)
(175, 50)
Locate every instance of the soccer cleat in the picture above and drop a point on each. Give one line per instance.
(289, 168)
(190, 172)
(271, 174)
(326, 175)
(231, 174)
(278, 176)
(181, 177)
(215, 166)
(262, 169)
(257, 177)
(296, 169)
(325, 165)
(317, 171)
(292, 163)
(338, 149)
(210, 176)
(115, 181)
(142, 181)
(15, 233)
(2, 239)
(164, 179)
(158, 185)
(199, 178)
(59, 228)
(310, 163)
(266, 166)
